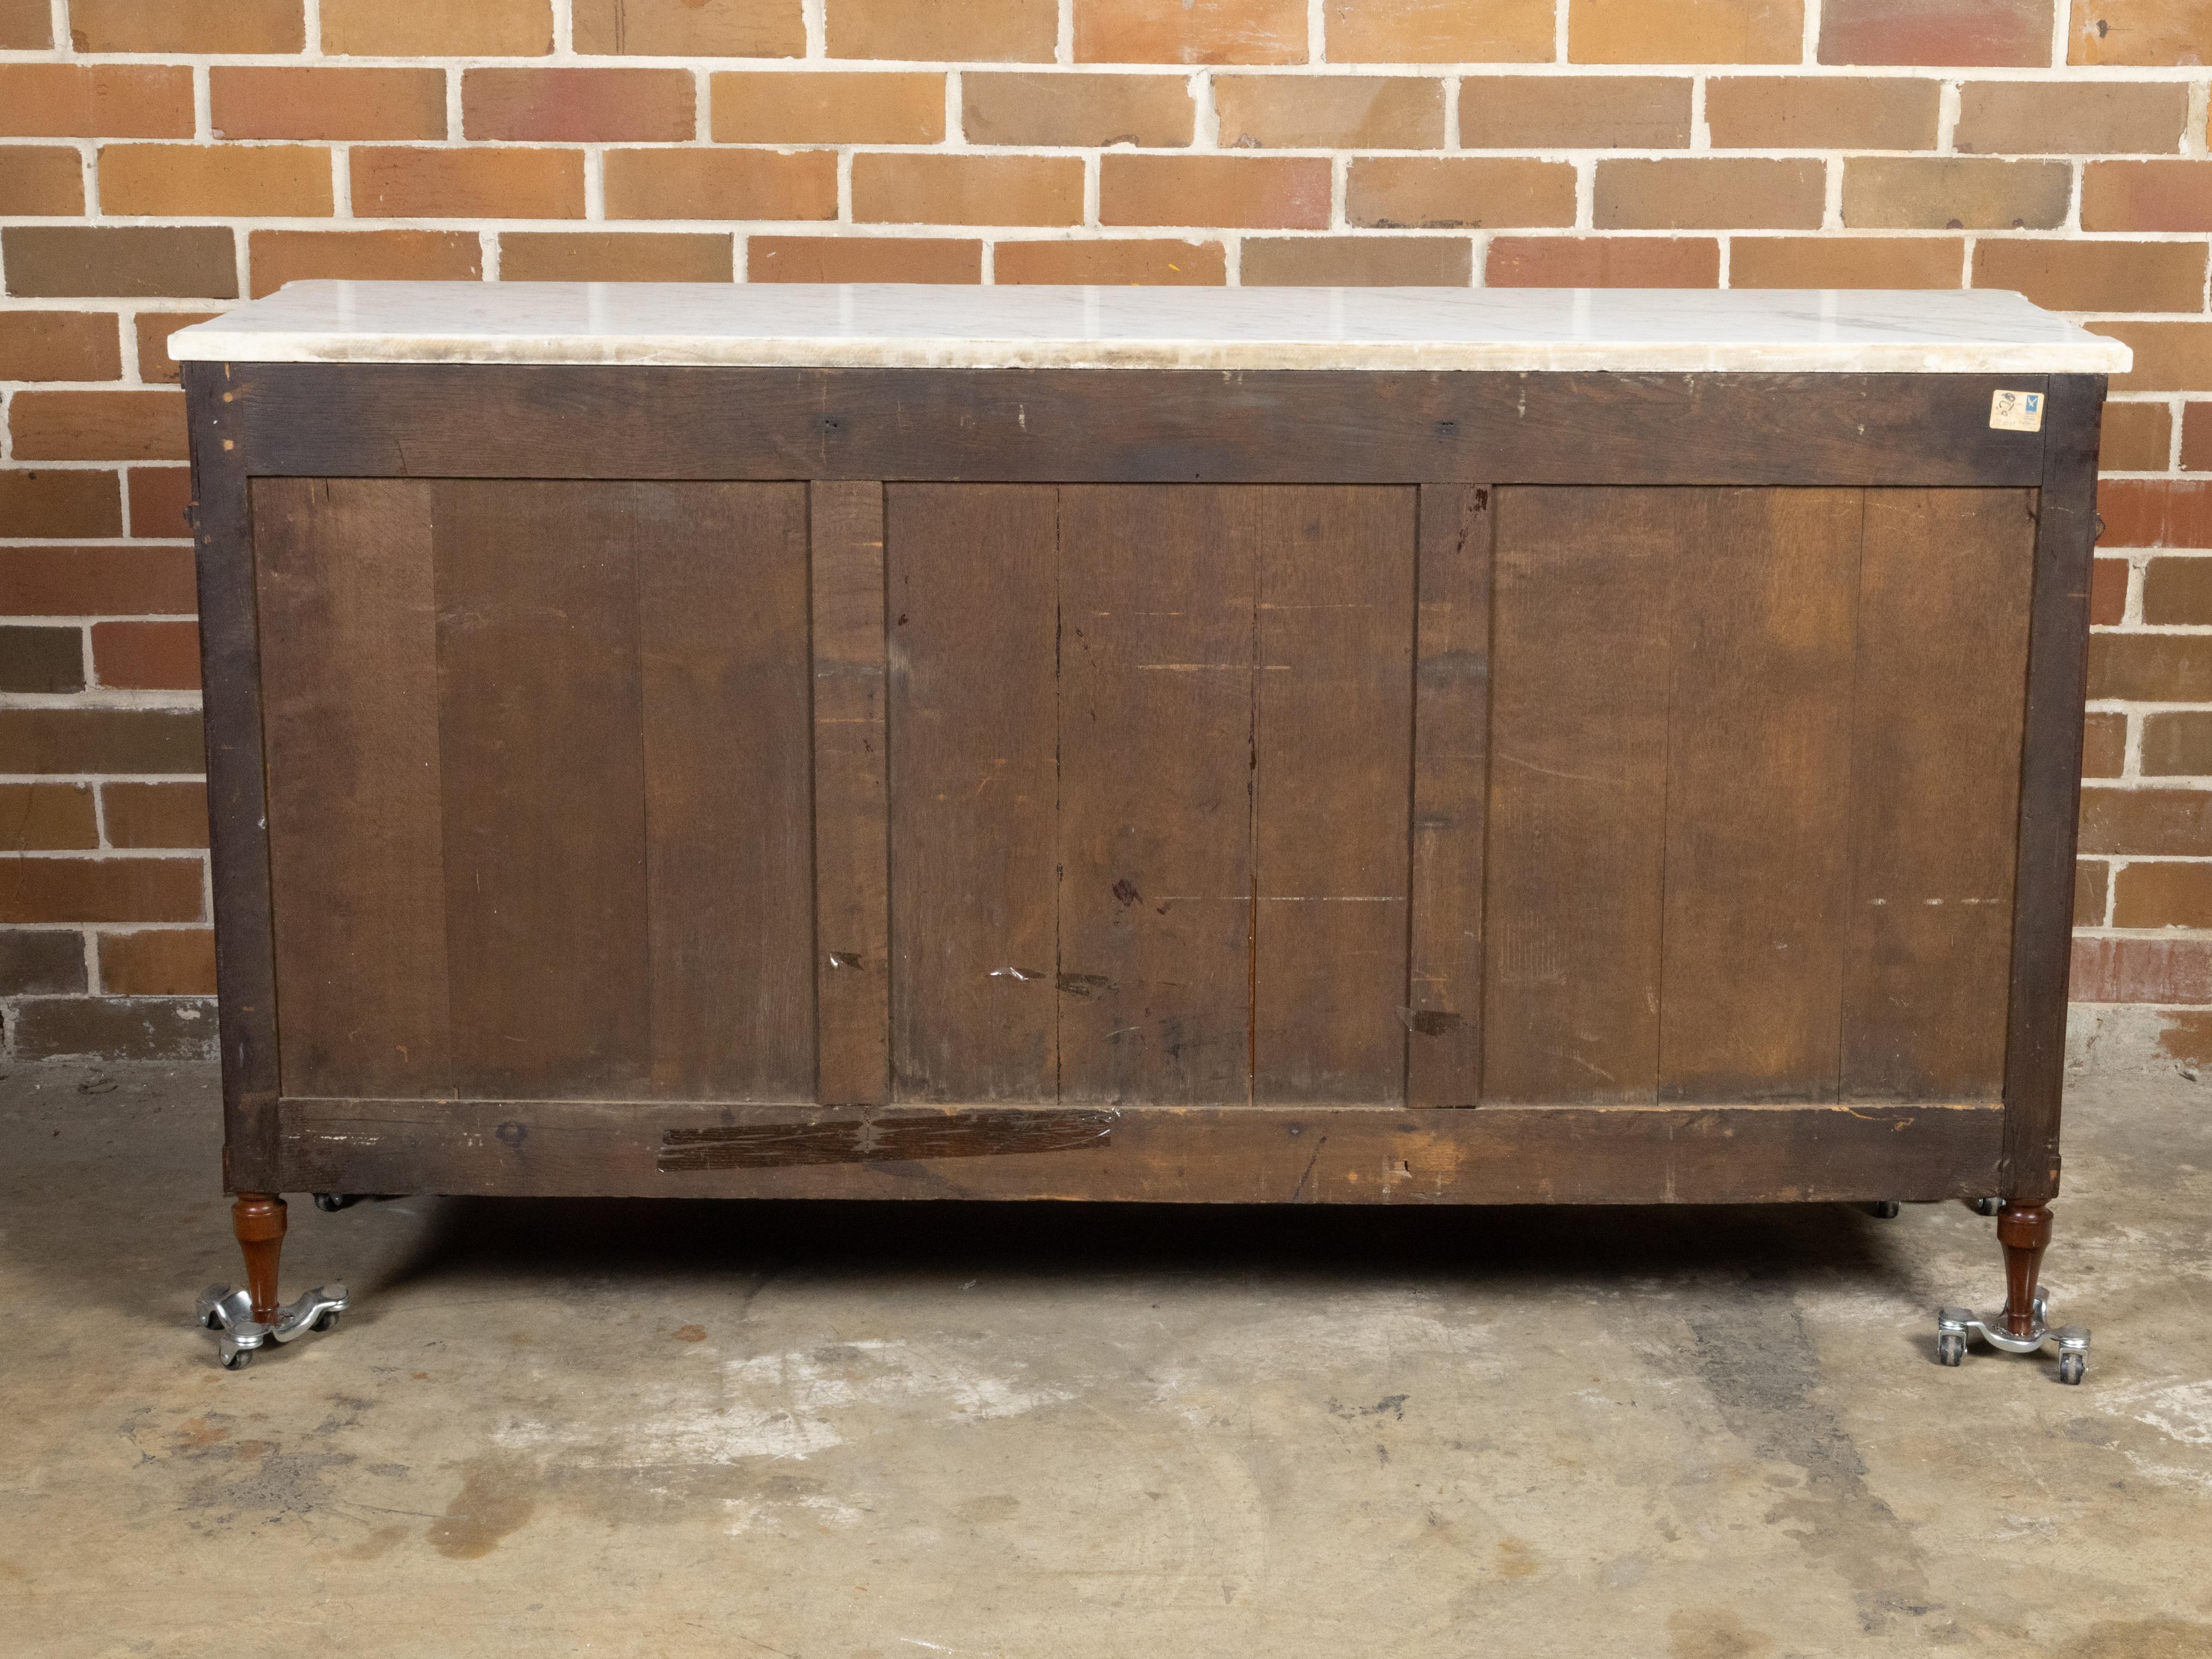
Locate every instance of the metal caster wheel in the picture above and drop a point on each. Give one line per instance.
(1987, 1206)
(230, 1311)
(2070, 1367)
(235, 1360)
(1884, 1209)
(1950, 1349)
(329, 1321)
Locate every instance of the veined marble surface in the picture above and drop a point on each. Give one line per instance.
(912, 325)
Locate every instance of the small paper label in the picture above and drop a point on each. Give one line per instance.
(2016, 411)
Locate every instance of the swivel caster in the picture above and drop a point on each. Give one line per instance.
(2071, 1365)
(1985, 1205)
(235, 1360)
(1950, 1348)
(1883, 1209)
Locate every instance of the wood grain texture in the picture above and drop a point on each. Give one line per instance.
(347, 592)
(1572, 909)
(973, 579)
(1759, 780)
(1451, 787)
(1157, 642)
(1332, 753)
(878, 1138)
(1943, 661)
(852, 855)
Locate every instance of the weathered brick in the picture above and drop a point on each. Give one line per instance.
(863, 259)
(280, 103)
(98, 426)
(1155, 260)
(2092, 879)
(2176, 592)
(41, 182)
(147, 656)
(1746, 193)
(2169, 357)
(1764, 112)
(26, 25)
(45, 503)
(828, 107)
(437, 28)
(519, 183)
(1686, 31)
(579, 105)
(2150, 667)
(47, 818)
(122, 261)
(693, 182)
(1194, 31)
(2082, 276)
(2108, 592)
(134, 741)
(239, 25)
(1572, 112)
(2178, 744)
(1151, 110)
(154, 329)
(2137, 438)
(181, 1028)
(275, 257)
(2146, 511)
(42, 660)
(95, 100)
(2008, 33)
(2175, 195)
(1438, 31)
(914, 188)
(1351, 111)
(100, 890)
(976, 31)
(1451, 191)
(1846, 262)
(1603, 262)
(2052, 118)
(2196, 436)
(43, 962)
(159, 499)
(691, 28)
(1357, 261)
(2147, 822)
(158, 962)
(96, 581)
(2187, 1036)
(2163, 894)
(2162, 32)
(2104, 744)
(2138, 969)
(1954, 194)
(210, 180)
(617, 257)
(155, 814)
(59, 345)
(1245, 192)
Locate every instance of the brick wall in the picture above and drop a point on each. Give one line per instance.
(159, 159)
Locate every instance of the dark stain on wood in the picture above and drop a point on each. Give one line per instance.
(877, 1139)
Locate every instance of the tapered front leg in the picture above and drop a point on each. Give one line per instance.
(2024, 1229)
(259, 1220)
(250, 1317)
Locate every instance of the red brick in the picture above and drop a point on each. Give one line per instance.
(1603, 262)
(158, 962)
(160, 500)
(277, 257)
(2171, 196)
(2178, 744)
(1332, 111)
(212, 180)
(1454, 191)
(275, 102)
(2160, 31)
(691, 28)
(437, 28)
(1699, 194)
(2008, 33)
(1569, 111)
(176, 1028)
(692, 182)
(1150, 111)
(136, 740)
(1963, 193)
(2091, 881)
(1805, 111)
(1846, 262)
(1244, 193)
(154, 329)
(2137, 438)
(976, 31)
(2176, 592)
(147, 656)
(2149, 511)
(1357, 261)
(838, 107)
(2155, 970)
(41, 963)
(2104, 744)
(123, 261)
(193, 26)
(26, 25)
(908, 188)
(2147, 822)
(2050, 118)
(98, 426)
(1190, 31)
(1438, 31)
(59, 345)
(519, 183)
(47, 818)
(1686, 31)
(100, 890)
(155, 814)
(96, 581)
(41, 182)
(2197, 437)
(1158, 260)
(2126, 667)
(2170, 356)
(863, 259)
(95, 100)
(2108, 593)
(45, 503)
(579, 105)
(616, 257)
(2163, 894)
(2087, 276)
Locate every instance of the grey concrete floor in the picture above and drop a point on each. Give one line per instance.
(810, 1431)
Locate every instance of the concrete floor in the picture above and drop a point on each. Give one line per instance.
(822, 1433)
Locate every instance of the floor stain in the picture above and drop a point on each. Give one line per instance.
(690, 1333)
(1714, 1633)
(498, 1493)
(2140, 1638)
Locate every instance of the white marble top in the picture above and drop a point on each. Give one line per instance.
(896, 324)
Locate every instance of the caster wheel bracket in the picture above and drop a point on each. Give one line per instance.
(229, 1311)
(1955, 1328)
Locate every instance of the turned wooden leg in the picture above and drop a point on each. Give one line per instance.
(2024, 1229)
(259, 1220)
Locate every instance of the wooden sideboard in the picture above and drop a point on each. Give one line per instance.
(1351, 784)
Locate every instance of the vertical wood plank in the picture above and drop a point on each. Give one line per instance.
(851, 897)
(1451, 781)
(1577, 796)
(1157, 650)
(1759, 783)
(724, 680)
(350, 688)
(1333, 747)
(1942, 668)
(973, 598)
(542, 756)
